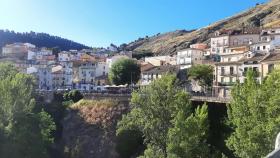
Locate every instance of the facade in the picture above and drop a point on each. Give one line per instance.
(84, 75)
(45, 79)
(17, 50)
(152, 74)
(187, 57)
(233, 38)
(161, 60)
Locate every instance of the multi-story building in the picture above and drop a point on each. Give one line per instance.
(156, 72)
(17, 50)
(84, 75)
(161, 60)
(233, 38)
(44, 75)
(187, 57)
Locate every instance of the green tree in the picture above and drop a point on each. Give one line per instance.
(25, 132)
(153, 109)
(254, 115)
(73, 95)
(188, 137)
(124, 71)
(201, 73)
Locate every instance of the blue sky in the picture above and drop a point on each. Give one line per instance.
(101, 22)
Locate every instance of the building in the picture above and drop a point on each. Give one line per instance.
(233, 38)
(187, 57)
(84, 75)
(161, 60)
(45, 80)
(111, 60)
(17, 50)
(156, 72)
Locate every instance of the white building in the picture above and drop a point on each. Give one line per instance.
(233, 38)
(102, 69)
(45, 79)
(161, 60)
(111, 60)
(187, 57)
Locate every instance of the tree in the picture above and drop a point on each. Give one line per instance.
(188, 137)
(124, 71)
(254, 116)
(153, 109)
(73, 95)
(26, 132)
(201, 73)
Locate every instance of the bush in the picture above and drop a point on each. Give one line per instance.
(129, 143)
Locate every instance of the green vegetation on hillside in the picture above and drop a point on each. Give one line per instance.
(163, 113)
(253, 115)
(201, 73)
(25, 131)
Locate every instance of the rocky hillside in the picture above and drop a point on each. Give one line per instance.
(261, 15)
(89, 129)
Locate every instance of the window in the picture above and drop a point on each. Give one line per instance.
(246, 41)
(222, 79)
(235, 42)
(270, 68)
(258, 48)
(230, 79)
(264, 47)
(222, 70)
(231, 69)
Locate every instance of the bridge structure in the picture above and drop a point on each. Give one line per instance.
(127, 97)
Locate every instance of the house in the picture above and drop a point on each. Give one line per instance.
(111, 60)
(161, 60)
(187, 57)
(84, 75)
(58, 80)
(156, 72)
(44, 75)
(102, 68)
(17, 50)
(228, 38)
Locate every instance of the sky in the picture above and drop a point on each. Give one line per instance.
(99, 23)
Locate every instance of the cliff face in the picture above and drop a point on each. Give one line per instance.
(168, 43)
(89, 129)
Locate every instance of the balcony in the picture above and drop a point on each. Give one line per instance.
(226, 83)
(256, 74)
(228, 74)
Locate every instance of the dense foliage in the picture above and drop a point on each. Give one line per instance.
(124, 71)
(163, 113)
(254, 116)
(39, 39)
(73, 95)
(25, 131)
(201, 73)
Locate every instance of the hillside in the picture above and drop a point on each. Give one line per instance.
(168, 43)
(39, 39)
(89, 128)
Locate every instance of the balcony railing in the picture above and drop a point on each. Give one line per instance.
(228, 73)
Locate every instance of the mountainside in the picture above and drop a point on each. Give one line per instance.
(39, 39)
(89, 128)
(168, 43)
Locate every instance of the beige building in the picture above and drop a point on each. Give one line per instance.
(187, 57)
(233, 38)
(161, 60)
